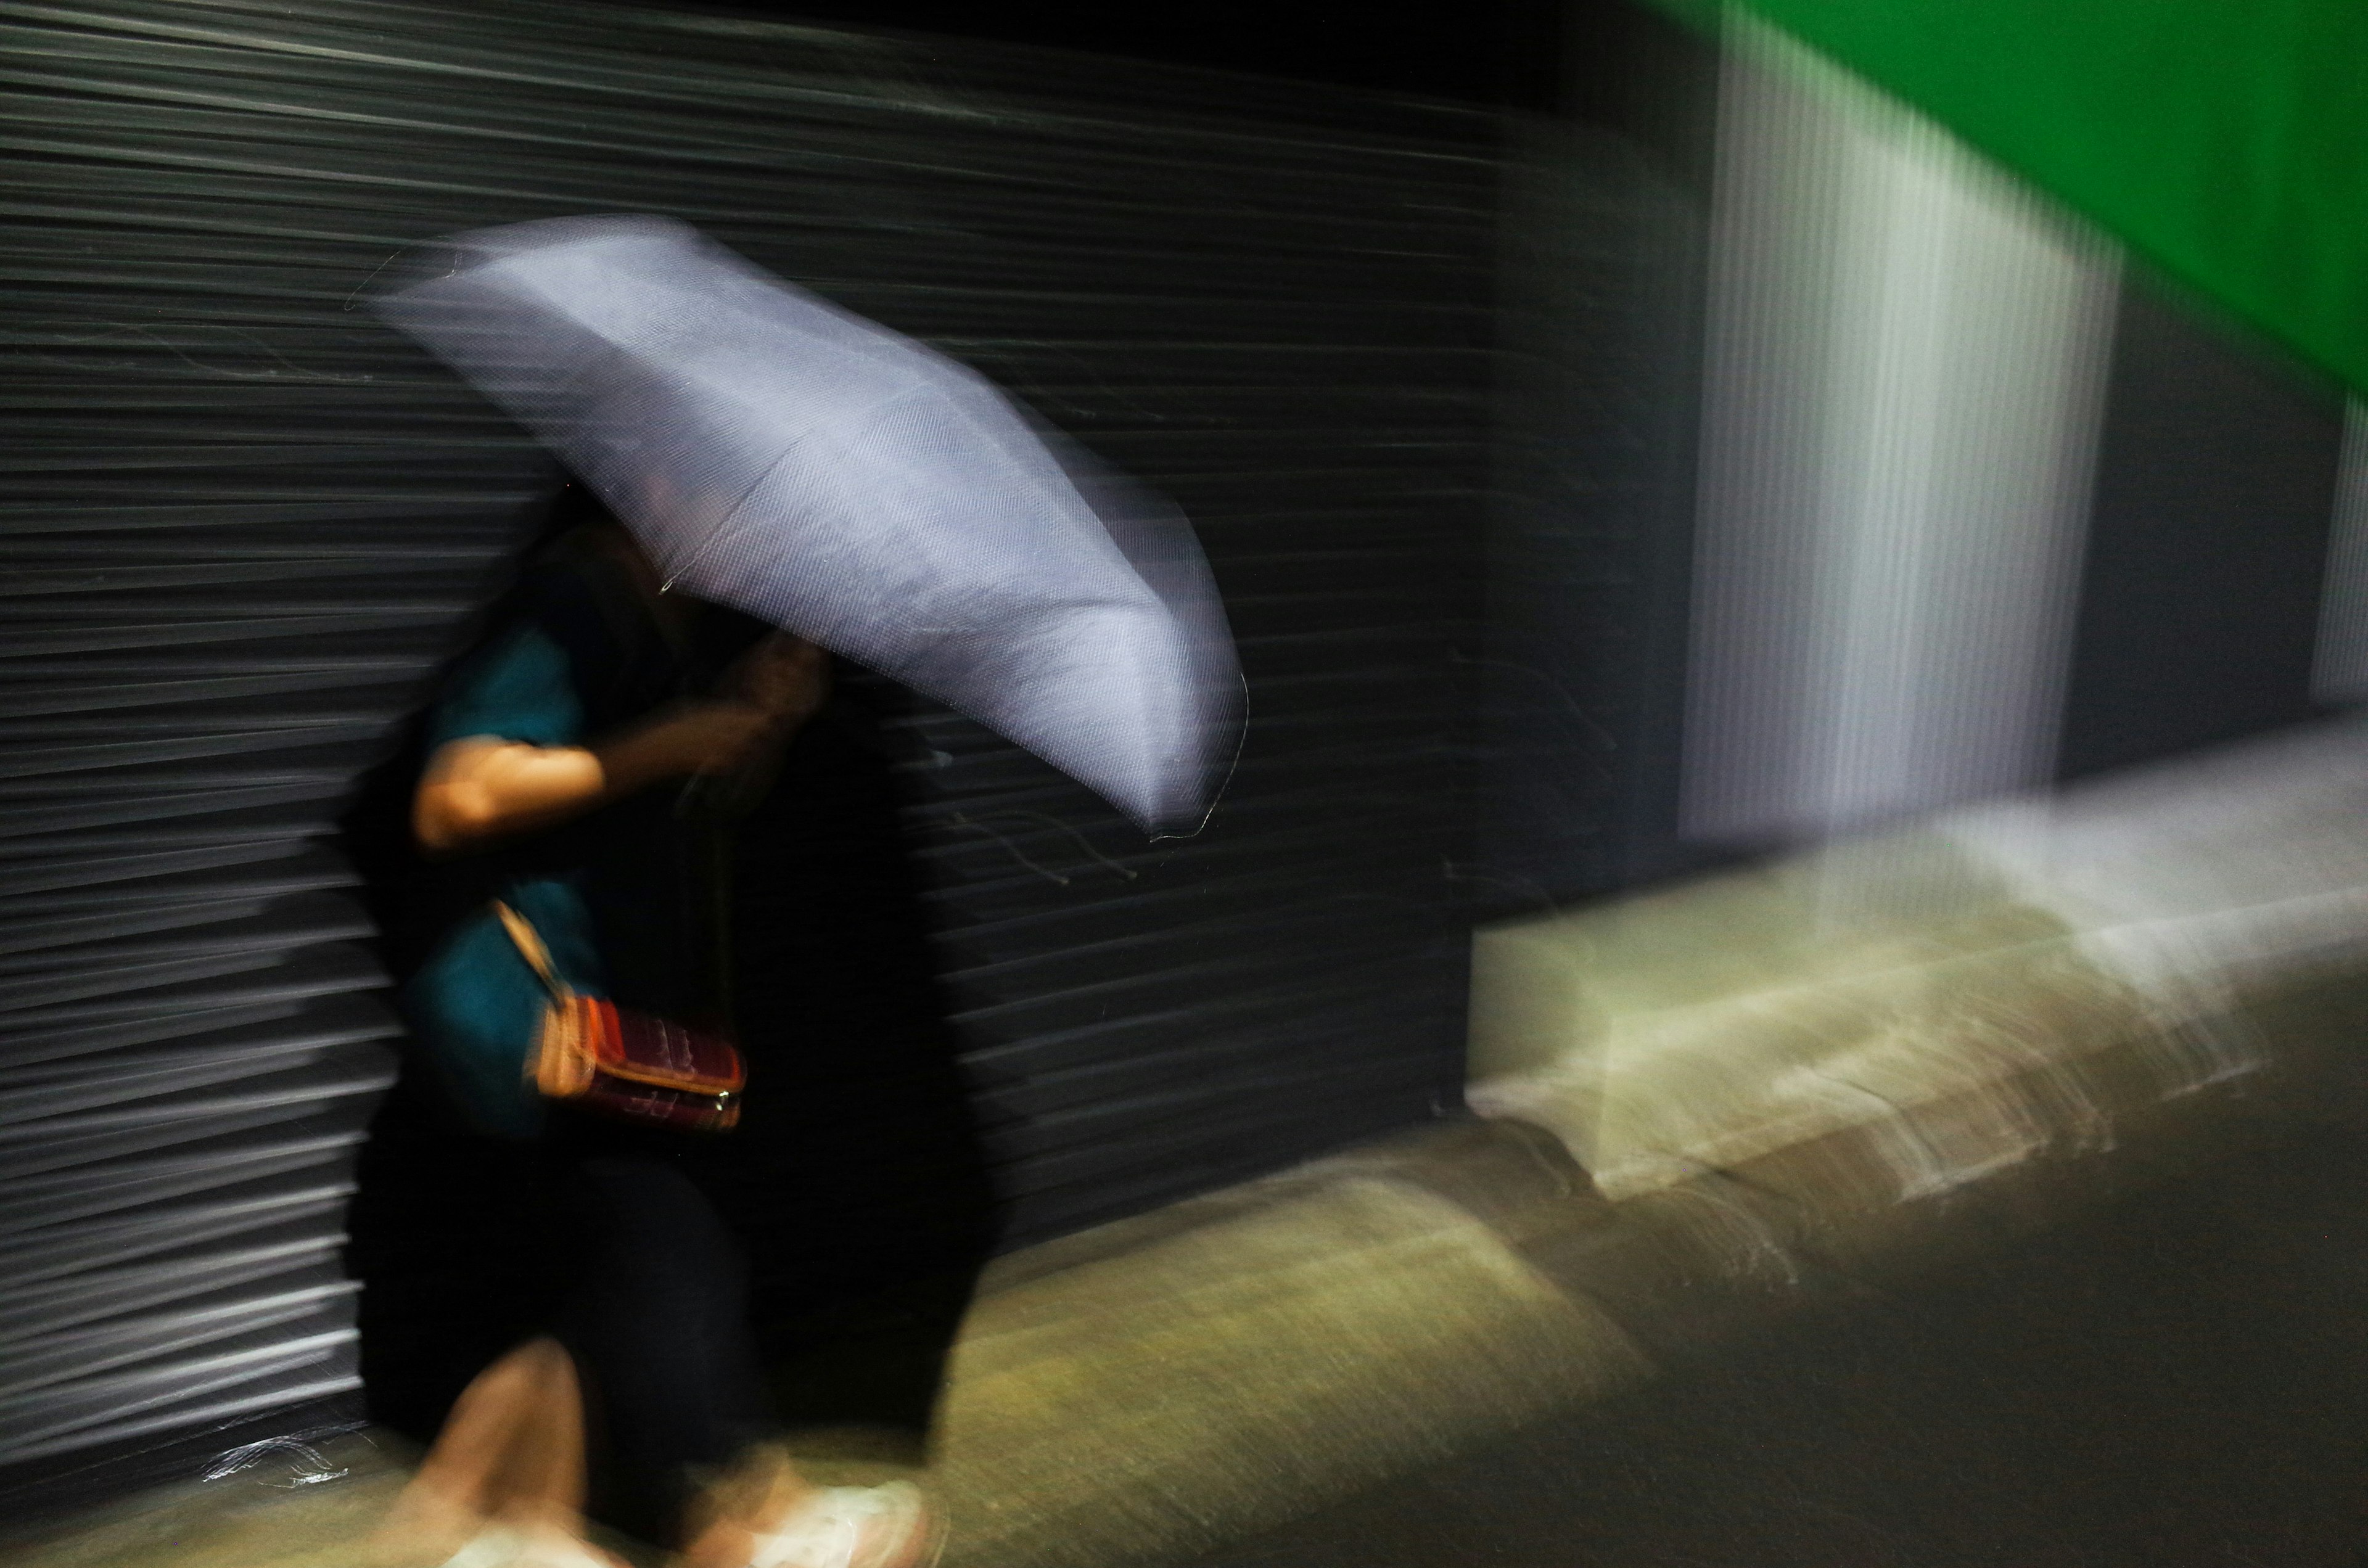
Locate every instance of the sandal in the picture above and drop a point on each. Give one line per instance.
(851, 1526)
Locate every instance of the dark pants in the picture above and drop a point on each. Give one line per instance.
(598, 1235)
(656, 1319)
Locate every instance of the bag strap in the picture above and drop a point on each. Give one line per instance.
(530, 947)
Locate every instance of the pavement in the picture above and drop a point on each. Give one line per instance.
(2179, 1381)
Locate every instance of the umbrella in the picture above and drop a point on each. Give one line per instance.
(777, 453)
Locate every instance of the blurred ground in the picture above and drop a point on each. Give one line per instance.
(2180, 1379)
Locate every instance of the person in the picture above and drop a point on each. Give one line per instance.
(555, 1285)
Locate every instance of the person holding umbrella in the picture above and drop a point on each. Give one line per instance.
(572, 764)
(769, 452)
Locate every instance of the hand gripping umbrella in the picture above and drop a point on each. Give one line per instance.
(778, 454)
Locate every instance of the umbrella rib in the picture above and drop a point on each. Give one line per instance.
(716, 537)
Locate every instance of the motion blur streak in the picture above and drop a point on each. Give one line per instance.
(2340, 671)
(1997, 984)
(1904, 391)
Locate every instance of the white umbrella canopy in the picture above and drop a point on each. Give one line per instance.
(776, 454)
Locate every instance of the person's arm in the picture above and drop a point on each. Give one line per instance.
(789, 677)
(482, 788)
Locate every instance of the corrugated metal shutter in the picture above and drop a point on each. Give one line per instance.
(241, 521)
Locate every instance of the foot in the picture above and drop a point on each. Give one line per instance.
(529, 1546)
(848, 1526)
(422, 1529)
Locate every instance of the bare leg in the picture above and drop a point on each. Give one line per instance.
(511, 1453)
(540, 1476)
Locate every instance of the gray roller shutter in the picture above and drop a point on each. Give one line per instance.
(240, 522)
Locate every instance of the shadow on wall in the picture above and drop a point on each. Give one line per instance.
(859, 1176)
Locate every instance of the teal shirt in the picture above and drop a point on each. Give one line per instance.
(618, 897)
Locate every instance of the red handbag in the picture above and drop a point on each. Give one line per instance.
(592, 1053)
